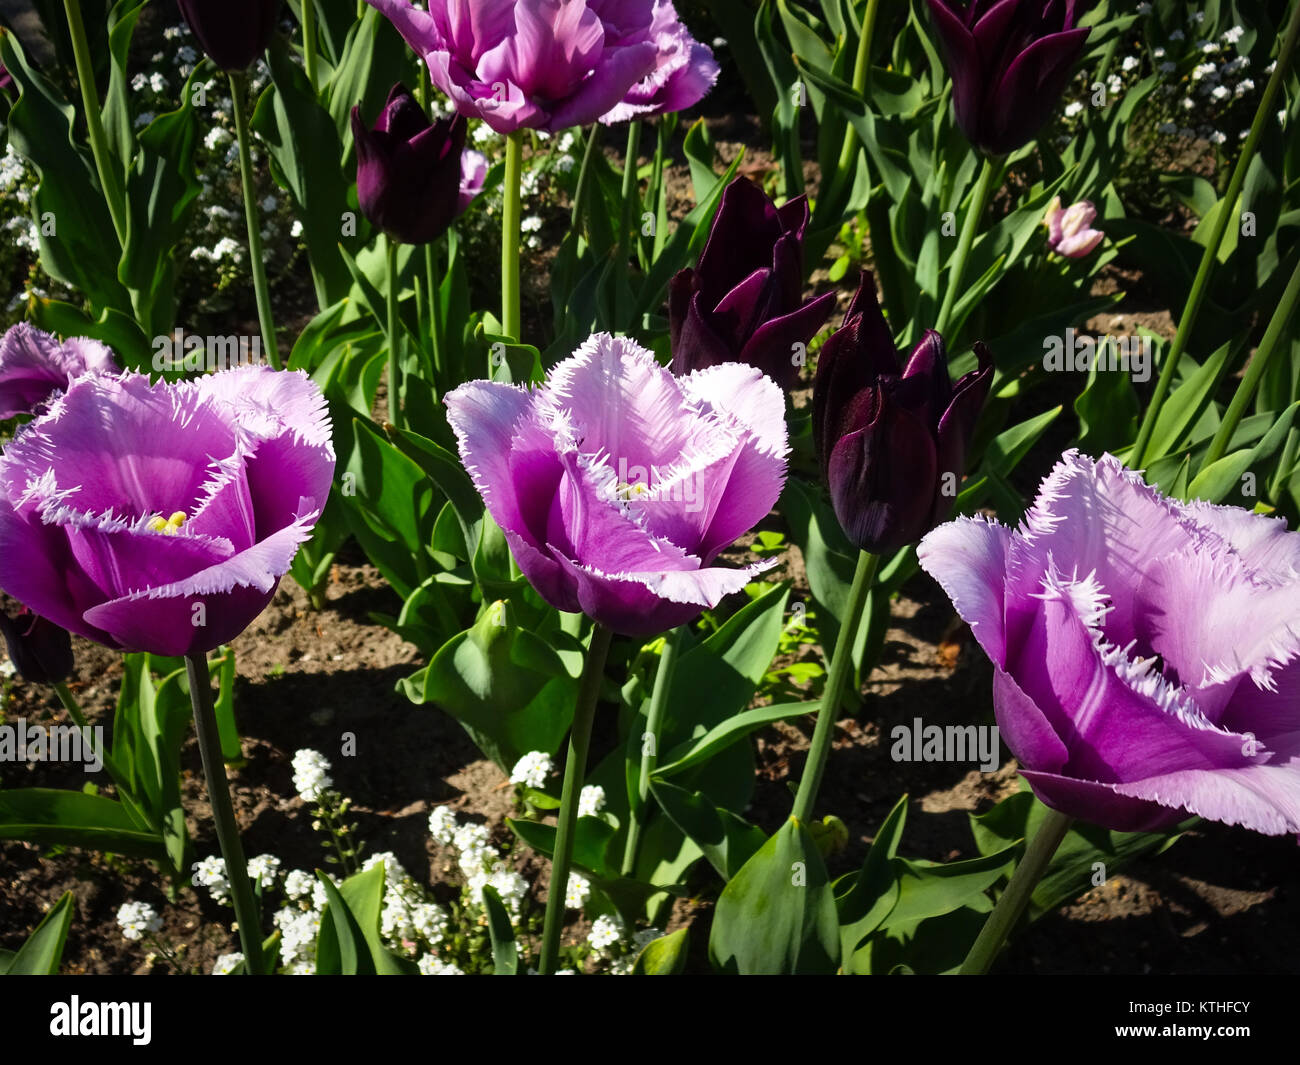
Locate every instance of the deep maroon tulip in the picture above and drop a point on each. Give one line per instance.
(233, 33)
(6, 79)
(887, 439)
(744, 301)
(409, 170)
(1009, 61)
(40, 651)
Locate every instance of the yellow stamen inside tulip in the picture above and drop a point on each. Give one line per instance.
(168, 526)
(629, 492)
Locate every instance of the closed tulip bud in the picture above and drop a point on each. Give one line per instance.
(1009, 61)
(233, 33)
(40, 651)
(409, 177)
(744, 302)
(892, 443)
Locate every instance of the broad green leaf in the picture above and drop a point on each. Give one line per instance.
(777, 914)
(505, 954)
(40, 953)
(727, 840)
(665, 956)
(52, 816)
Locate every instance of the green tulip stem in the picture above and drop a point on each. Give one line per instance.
(110, 177)
(584, 176)
(650, 743)
(1140, 457)
(631, 201)
(248, 914)
(861, 73)
(575, 771)
(841, 669)
(309, 40)
(1277, 327)
(667, 125)
(394, 338)
(1015, 898)
(432, 270)
(256, 261)
(511, 315)
(979, 200)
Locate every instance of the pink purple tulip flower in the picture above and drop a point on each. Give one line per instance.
(1146, 652)
(160, 517)
(34, 364)
(617, 484)
(545, 64)
(1069, 231)
(683, 74)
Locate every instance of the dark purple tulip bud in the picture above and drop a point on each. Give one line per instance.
(1009, 61)
(39, 649)
(744, 301)
(892, 444)
(233, 33)
(408, 170)
(6, 79)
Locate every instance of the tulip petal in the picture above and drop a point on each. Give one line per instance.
(968, 557)
(483, 415)
(618, 70)
(1030, 89)
(621, 402)
(774, 344)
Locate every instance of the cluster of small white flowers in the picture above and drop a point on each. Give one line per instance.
(225, 248)
(217, 138)
(264, 870)
(481, 863)
(311, 774)
(432, 966)
(227, 964)
(591, 801)
(442, 824)
(578, 891)
(484, 135)
(605, 932)
(137, 918)
(298, 931)
(299, 885)
(211, 874)
(1216, 79)
(1074, 107)
(534, 767)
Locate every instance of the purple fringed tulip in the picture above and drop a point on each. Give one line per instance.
(1009, 61)
(617, 484)
(890, 443)
(233, 33)
(1069, 231)
(544, 64)
(1146, 652)
(40, 651)
(409, 171)
(743, 302)
(684, 71)
(473, 175)
(161, 517)
(33, 365)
